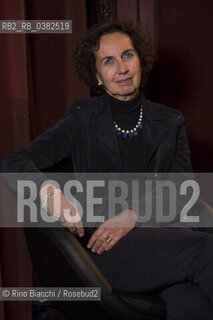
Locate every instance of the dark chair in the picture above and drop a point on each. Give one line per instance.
(60, 260)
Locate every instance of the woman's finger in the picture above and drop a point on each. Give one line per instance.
(108, 245)
(102, 242)
(97, 238)
(73, 230)
(80, 229)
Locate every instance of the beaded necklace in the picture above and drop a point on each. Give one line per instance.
(132, 132)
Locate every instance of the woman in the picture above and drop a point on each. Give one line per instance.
(121, 131)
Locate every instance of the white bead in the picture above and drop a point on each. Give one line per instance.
(135, 128)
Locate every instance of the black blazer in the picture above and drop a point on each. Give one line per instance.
(87, 135)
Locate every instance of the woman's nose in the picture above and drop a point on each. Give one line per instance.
(122, 67)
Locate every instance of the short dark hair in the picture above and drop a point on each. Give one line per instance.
(84, 56)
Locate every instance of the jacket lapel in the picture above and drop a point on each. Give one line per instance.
(155, 127)
(104, 131)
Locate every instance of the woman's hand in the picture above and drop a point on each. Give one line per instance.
(111, 231)
(63, 210)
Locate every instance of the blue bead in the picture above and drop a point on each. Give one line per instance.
(140, 126)
(135, 133)
(124, 134)
(119, 132)
(131, 134)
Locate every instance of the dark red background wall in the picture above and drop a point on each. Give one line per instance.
(183, 76)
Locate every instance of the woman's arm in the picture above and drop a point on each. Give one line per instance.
(46, 150)
(28, 162)
(182, 157)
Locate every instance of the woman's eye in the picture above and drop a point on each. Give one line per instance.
(107, 61)
(128, 55)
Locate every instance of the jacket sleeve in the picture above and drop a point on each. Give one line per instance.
(46, 150)
(179, 170)
(182, 156)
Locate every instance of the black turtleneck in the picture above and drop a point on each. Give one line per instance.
(126, 115)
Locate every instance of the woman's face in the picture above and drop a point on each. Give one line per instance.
(118, 66)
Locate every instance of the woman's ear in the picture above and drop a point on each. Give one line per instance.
(100, 83)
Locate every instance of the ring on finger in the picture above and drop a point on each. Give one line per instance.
(108, 239)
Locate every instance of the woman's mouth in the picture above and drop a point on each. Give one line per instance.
(124, 81)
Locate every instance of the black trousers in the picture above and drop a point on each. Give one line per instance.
(175, 262)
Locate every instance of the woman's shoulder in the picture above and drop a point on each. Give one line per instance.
(84, 105)
(159, 110)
